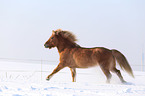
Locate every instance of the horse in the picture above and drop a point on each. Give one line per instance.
(74, 56)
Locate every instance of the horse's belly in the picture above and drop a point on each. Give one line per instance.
(85, 58)
(85, 63)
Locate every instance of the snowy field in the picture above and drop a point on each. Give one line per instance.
(27, 79)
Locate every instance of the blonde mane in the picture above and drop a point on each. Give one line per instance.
(66, 34)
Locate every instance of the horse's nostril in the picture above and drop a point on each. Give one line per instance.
(46, 45)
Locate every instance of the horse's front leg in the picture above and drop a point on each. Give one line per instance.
(58, 68)
(73, 73)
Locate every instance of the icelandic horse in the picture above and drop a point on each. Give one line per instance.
(74, 56)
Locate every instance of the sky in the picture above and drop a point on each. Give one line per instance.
(25, 25)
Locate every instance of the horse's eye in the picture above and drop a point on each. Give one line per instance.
(52, 37)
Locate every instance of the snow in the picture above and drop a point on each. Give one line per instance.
(27, 79)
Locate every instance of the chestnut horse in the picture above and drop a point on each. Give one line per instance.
(74, 56)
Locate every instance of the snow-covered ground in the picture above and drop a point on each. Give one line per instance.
(27, 79)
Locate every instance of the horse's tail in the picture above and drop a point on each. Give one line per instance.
(122, 62)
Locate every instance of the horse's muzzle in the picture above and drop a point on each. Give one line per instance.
(46, 45)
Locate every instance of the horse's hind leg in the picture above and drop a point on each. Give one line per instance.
(118, 74)
(73, 73)
(107, 74)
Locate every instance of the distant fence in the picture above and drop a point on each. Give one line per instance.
(27, 60)
(140, 67)
(22, 75)
(25, 74)
(41, 73)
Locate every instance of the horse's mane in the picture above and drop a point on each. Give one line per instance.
(67, 35)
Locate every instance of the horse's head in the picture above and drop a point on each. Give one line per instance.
(52, 41)
(61, 38)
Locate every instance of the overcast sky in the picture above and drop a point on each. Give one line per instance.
(25, 25)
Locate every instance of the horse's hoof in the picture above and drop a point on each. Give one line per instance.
(47, 79)
(108, 81)
(124, 82)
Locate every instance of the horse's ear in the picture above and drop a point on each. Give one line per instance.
(54, 32)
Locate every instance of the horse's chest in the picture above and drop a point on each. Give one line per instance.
(68, 60)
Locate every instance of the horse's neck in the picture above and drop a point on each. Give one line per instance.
(63, 45)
